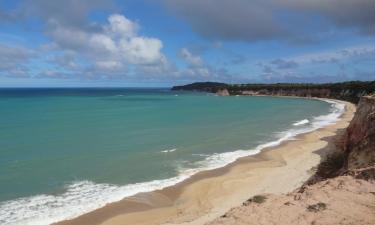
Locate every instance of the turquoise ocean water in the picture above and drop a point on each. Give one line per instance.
(64, 152)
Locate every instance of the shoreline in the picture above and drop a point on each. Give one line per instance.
(209, 194)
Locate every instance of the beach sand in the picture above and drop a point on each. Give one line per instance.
(209, 194)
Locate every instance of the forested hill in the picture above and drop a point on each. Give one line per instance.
(349, 91)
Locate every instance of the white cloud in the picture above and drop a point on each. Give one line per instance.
(119, 25)
(336, 54)
(197, 69)
(113, 47)
(108, 65)
(334, 65)
(193, 60)
(141, 50)
(13, 58)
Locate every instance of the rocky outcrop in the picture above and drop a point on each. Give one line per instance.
(359, 141)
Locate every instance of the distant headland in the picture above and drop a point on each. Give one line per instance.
(350, 91)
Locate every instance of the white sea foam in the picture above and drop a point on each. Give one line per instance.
(86, 196)
(169, 150)
(301, 122)
(80, 198)
(223, 159)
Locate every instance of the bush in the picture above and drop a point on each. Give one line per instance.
(317, 207)
(257, 199)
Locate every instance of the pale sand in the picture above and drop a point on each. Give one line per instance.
(208, 195)
(342, 200)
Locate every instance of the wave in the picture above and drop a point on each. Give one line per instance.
(85, 196)
(169, 150)
(301, 122)
(80, 198)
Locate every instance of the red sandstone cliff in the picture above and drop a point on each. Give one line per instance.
(359, 141)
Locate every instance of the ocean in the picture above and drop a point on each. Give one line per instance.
(65, 152)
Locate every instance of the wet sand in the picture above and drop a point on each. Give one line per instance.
(209, 194)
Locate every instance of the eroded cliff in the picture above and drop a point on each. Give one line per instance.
(359, 141)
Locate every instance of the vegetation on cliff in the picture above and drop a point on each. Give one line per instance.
(349, 91)
(202, 86)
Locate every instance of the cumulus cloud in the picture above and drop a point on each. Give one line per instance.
(14, 60)
(338, 55)
(198, 70)
(111, 49)
(351, 63)
(288, 20)
(13, 56)
(193, 60)
(67, 60)
(119, 25)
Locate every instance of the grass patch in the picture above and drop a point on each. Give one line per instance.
(259, 199)
(317, 207)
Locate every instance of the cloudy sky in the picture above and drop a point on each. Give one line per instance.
(167, 42)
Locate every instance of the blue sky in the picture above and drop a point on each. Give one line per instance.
(166, 42)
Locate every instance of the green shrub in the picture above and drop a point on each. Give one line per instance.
(256, 199)
(317, 207)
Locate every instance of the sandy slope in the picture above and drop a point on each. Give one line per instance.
(342, 200)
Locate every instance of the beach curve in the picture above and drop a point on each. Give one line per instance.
(208, 194)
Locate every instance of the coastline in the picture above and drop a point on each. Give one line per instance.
(209, 194)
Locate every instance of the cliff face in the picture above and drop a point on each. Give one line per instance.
(359, 141)
(223, 92)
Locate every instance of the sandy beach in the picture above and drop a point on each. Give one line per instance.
(209, 194)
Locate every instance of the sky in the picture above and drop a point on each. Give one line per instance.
(160, 43)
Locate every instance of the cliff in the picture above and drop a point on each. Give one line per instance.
(223, 92)
(359, 140)
(348, 91)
